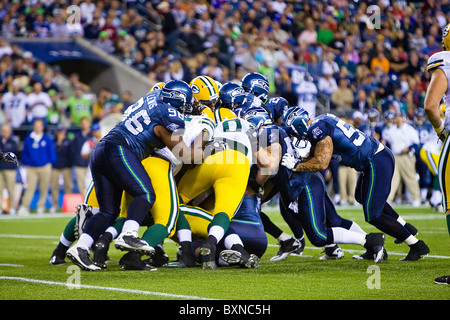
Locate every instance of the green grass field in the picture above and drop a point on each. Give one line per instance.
(26, 244)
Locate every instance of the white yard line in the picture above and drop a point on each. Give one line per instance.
(81, 286)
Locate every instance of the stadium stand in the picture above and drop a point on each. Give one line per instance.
(352, 67)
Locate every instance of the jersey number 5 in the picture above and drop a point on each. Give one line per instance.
(349, 131)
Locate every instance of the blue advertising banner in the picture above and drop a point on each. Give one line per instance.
(58, 51)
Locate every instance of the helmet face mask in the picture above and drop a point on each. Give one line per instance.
(232, 96)
(178, 94)
(256, 84)
(205, 91)
(295, 121)
(258, 117)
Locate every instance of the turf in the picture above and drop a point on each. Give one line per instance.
(26, 244)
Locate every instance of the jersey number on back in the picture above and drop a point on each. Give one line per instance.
(350, 131)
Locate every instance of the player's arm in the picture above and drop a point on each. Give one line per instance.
(174, 141)
(436, 89)
(268, 161)
(318, 162)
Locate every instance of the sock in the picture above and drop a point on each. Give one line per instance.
(411, 240)
(448, 222)
(112, 232)
(63, 241)
(401, 221)
(155, 235)
(85, 241)
(118, 224)
(130, 226)
(219, 225)
(356, 228)
(283, 237)
(231, 240)
(341, 235)
(217, 232)
(69, 231)
(184, 235)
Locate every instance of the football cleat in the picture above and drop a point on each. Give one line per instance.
(286, 248)
(299, 251)
(132, 261)
(369, 255)
(100, 251)
(442, 280)
(208, 256)
(332, 253)
(375, 243)
(417, 251)
(413, 230)
(80, 257)
(131, 242)
(57, 260)
(238, 255)
(159, 258)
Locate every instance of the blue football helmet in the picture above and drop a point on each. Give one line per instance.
(295, 121)
(256, 84)
(257, 116)
(178, 94)
(231, 96)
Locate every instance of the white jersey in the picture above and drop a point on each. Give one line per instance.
(15, 107)
(441, 60)
(194, 126)
(236, 132)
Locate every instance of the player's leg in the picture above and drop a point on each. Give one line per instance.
(165, 209)
(230, 183)
(373, 190)
(245, 241)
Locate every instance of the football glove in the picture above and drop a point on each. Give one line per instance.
(215, 147)
(10, 157)
(289, 161)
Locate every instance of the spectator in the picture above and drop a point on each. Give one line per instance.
(38, 156)
(39, 103)
(361, 103)
(14, 104)
(78, 107)
(309, 34)
(403, 138)
(104, 43)
(62, 167)
(327, 84)
(8, 171)
(380, 62)
(342, 97)
(58, 27)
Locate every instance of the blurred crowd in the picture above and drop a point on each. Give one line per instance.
(323, 55)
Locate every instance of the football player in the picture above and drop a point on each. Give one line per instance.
(332, 137)
(303, 194)
(439, 67)
(116, 166)
(226, 168)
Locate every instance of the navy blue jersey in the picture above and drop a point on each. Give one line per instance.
(139, 121)
(290, 184)
(351, 147)
(277, 106)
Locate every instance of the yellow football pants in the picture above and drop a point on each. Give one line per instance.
(165, 208)
(226, 172)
